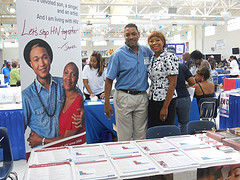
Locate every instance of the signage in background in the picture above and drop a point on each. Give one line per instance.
(58, 24)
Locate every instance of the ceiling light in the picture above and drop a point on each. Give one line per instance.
(179, 29)
(119, 20)
(12, 10)
(226, 15)
(193, 12)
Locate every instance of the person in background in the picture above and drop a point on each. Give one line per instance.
(205, 63)
(187, 60)
(213, 65)
(234, 68)
(14, 74)
(73, 101)
(223, 64)
(162, 71)
(94, 76)
(214, 73)
(6, 71)
(4, 65)
(128, 65)
(183, 103)
(203, 87)
(196, 57)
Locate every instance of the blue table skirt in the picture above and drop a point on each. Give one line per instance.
(234, 115)
(12, 120)
(221, 77)
(97, 122)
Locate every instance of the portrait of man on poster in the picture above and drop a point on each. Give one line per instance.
(44, 98)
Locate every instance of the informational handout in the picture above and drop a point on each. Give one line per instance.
(98, 169)
(134, 165)
(88, 152)
(51, 155)
(121, 149)
(155, 145)
(184, 141)
(51, 171)
(173, 160)
(207, 155)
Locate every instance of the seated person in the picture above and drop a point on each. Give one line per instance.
(203, 87)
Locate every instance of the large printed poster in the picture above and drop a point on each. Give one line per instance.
(51, 66)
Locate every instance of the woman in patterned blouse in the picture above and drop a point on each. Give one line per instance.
(162, 71)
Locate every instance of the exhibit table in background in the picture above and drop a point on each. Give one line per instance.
(233, 119)
(97, 124)
(219, 70)
(11, 118)
(231, 83)
(221, 77)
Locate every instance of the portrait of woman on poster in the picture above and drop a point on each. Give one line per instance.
(162, 72)
(73, 102)
(234, 172)
(94, 76)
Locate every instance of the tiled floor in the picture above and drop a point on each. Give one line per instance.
(19, 167)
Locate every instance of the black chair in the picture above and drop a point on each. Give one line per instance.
(5, 170)
(208, 108)
(197, 126)
(162, 131)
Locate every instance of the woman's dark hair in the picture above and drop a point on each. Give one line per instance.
(212, 62)
(14, 64)
(100, 65)
(203, 71)
(195, 55)
(75, 67)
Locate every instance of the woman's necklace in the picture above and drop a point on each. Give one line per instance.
(153, 60)
(45, 109)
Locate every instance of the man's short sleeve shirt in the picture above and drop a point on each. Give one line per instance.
(129, 69)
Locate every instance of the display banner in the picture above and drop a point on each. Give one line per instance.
(49, 39)
(224, 104)
(224, 101)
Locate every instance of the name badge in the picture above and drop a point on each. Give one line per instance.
(146, 61)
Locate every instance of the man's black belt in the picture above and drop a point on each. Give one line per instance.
(132, 92)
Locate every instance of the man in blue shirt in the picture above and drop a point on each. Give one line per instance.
(6, 71)
(43, 99)
(128, 65)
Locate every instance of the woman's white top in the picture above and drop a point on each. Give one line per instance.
(95, 83)
(234, 68)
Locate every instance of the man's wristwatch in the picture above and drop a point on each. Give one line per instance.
(43, 141)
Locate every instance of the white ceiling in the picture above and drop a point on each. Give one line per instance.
(106, 18)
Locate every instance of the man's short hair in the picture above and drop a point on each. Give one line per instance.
(36, 43)
(131, 25)
(195, 55)
(14, 64)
